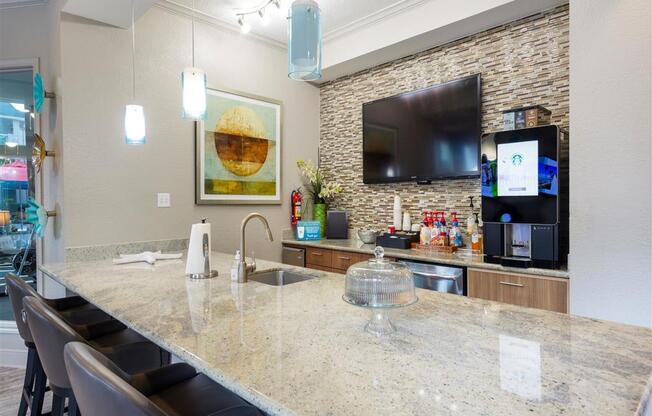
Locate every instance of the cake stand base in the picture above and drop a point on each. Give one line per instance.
(379, 324)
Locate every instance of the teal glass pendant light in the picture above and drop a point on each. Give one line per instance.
(134, 113)
(304, 41)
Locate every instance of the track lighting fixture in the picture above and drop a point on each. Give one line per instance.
(261, 11)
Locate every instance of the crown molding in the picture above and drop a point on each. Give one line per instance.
(398, 7)
(13, 4)
(179, 9)
(368, 20)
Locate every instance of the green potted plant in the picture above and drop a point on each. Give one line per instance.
(320, 191)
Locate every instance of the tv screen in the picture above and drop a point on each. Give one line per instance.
(423, 135)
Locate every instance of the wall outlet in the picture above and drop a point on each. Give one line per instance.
(163, 200)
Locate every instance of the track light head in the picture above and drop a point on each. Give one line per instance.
(244, 26)
(264, 18)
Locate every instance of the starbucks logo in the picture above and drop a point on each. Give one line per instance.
(517, 159)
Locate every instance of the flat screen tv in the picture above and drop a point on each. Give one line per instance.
(424, 135)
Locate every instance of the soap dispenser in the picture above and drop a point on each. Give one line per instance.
(235, 265)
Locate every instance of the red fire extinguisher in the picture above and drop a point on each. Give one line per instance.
(295, 202)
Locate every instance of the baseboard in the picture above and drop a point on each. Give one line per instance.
(13, 352)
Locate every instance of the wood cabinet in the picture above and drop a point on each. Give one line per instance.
(335, 261)
(343, 259)
(530, 291)
(318, 257)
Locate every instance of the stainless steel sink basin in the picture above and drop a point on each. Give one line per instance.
(280, 277)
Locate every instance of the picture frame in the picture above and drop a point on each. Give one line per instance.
(238, 150)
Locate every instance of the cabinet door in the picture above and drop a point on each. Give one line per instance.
(516, 289)
(318, 257)
(550, 294)
(341, 260)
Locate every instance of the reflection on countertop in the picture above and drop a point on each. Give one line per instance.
(301, 350)
(461, 258)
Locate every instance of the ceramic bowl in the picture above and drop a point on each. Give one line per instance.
(368, 236)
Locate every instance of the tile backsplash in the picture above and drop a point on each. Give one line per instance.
(525, 62)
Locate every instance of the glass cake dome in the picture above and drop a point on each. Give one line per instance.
(379, 284)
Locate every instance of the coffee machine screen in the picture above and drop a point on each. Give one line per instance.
(518, 170)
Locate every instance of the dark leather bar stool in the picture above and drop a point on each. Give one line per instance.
(131, 352)
(103, 389)
(73, 309)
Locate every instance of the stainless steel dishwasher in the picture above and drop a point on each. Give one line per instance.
(439, 278)
(294, 256)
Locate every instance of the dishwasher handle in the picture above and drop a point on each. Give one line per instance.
(294, 250)
(435, 275)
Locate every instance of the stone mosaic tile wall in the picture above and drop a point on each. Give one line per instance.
(522, 63)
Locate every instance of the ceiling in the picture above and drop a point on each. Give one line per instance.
(119, 14)
(338, 16)
(7, 4)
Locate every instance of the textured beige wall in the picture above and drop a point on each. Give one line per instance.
(110, 188)
(611, 164)
(33, 33)
(522, 63)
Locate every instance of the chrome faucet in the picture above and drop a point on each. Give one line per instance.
(243, 268)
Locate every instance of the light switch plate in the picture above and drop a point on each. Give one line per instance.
(163, 200)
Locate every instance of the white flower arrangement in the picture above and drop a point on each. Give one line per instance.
(319, 189)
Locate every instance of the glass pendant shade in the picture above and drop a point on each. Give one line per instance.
(304, 41)
(134, 124)
(193, 85)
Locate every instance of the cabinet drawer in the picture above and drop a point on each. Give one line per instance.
(341, 260)
(318, 257)
(533, 292)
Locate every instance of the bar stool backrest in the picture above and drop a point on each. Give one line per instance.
(17, 289)
(99, 386)
(51, 334)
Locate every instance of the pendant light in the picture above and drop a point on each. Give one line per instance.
(193, 85)
(304, 41)
(134, 113)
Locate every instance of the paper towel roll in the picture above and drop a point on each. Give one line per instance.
(397, 213)
(407, 221)
(195, 263)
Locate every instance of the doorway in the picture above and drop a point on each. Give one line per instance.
(17, 179)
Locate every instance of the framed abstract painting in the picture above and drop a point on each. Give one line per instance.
(238, 150)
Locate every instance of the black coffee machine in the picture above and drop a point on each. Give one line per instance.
(525, 197)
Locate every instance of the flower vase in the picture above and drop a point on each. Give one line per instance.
(319, 214)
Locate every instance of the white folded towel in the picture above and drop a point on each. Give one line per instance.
(146, 256)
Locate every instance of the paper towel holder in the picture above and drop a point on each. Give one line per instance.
(207, 273)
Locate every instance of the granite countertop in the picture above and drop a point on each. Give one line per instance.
(300, 350)
(462, 258)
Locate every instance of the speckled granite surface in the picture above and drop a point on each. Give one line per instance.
(110, 251)
(456, 259)
(300, 350)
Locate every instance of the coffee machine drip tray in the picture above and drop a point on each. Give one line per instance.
(516, 261)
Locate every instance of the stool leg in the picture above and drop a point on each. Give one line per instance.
(73, 410)
(57, 405)
(40, 379)
(166, 357)
(28, 383)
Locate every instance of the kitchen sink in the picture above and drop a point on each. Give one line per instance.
(280, 277)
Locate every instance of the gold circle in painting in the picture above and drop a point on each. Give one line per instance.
(240, 141)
